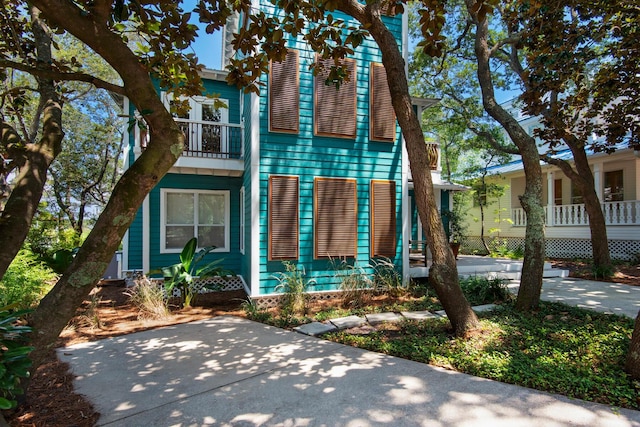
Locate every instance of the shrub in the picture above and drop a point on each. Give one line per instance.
(150, 299)
(14, 361)
(293, 284)
(26, 281)
(482, 290)
(355, 284)
(182, 275)
(256, 313)
(386, 278)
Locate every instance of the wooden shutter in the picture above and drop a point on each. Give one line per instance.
(284, 94)
(383, 219)
(283, 217)
(381, 115)
(336, 217)
(335, 109)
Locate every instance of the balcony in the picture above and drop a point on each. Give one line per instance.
(211, 139)
(625, 212)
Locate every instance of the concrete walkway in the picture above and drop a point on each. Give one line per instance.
(228, 371)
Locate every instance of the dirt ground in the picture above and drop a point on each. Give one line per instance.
(108, 313)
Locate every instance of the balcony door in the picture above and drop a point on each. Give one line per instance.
(203, 126)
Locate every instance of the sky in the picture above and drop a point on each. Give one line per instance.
(208, 47)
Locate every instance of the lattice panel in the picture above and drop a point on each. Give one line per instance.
(271, 301)
(626, 250)
(209, 284)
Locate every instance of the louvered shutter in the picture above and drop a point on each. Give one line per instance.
(383, 218)
(335, 109)
(284, 94)
(283, 217)
(336, 218)
(381, 114)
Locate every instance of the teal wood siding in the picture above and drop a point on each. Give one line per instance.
(135, 243)
(414, 215)
(196, 182)
(206, 182)
(444, 208)
(309, 156)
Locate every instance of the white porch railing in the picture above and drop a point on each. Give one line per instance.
(625, 212)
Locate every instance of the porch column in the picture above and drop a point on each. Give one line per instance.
(597, 180)
(550, 198)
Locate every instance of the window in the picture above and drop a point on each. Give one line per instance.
(613, 186)
(576, 195)
(335, 218)
(381, 114)
(203, 137)
(284, 94)
(335, 108)
(383, 218)
(283, 217)
(194, 213)
(557, 192)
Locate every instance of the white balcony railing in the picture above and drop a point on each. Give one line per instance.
(625, 212)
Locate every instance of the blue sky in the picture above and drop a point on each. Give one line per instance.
(208, 47)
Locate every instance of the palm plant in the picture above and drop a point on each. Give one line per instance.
(183, 274)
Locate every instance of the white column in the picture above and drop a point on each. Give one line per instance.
(254, 227)
(146, 244)
(550, 198)
(597, 180)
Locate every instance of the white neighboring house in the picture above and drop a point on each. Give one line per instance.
(617, 182)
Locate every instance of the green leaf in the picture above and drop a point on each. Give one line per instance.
(186, 256)
(6, 404)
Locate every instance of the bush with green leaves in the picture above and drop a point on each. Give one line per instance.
(14, 355)
(355, 283)
(150, 299)
(26, 281)
(183, 275)
(483, 290)
(294, 285)
(386, 277)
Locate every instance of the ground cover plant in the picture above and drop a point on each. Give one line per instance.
(558, 349)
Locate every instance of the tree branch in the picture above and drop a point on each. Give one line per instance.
(59, 75)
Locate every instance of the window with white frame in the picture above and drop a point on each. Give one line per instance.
(198, 122)
(242, 220)
(194, 213)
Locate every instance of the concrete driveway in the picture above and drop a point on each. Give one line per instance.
(228, 371)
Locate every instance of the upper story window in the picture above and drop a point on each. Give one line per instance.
(203, 135)
(335, 108)
(381, 114)
(185, 214)
(284, 94)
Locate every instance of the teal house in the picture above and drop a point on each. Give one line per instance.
(302, 172)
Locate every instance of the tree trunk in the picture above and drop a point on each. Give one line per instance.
(597, 225)
(582, 178)
(443, 273)
(166, 144)
(531, 200)
(28, 187)
(632, 365)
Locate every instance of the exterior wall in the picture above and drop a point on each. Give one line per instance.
(197, 179)
(309, 156)
(232, 259)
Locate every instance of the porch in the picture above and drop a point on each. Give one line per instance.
(626, 212)
(474, 265)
